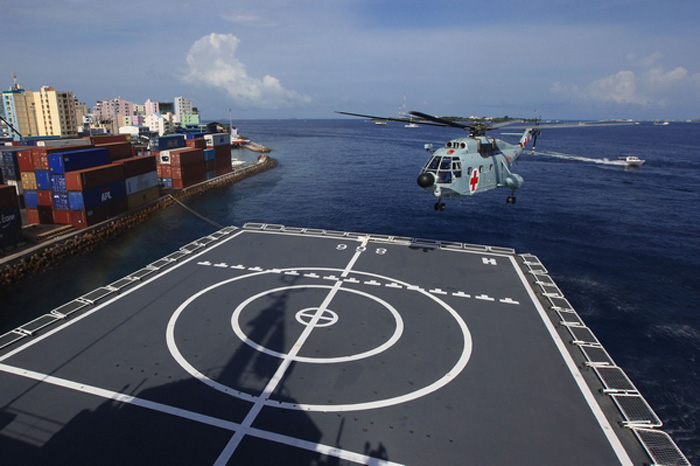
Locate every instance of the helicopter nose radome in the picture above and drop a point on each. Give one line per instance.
(426, 180)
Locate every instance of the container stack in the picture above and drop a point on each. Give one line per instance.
(10, 219)
(81, 185)
(198, 159)
(9, 170)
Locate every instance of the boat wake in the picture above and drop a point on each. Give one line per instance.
(603, 161)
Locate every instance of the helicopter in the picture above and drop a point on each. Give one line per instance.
(475, 164)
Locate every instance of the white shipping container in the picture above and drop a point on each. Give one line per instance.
(164, 155)
(63, 142)
(218, 139)
(139, 183)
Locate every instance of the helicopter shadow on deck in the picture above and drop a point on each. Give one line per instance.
(116, 433)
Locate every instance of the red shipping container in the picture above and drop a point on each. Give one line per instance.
(134, 166)
(199, 143)
(40, 155)
(165, 171)
(210, 165)
(192, 170)
(45, 197)
(223, 162)
(221, 151)
(61, 217)
(187, 156)
(222, 170)
(89, 178)
(100, 139)
(117, 150)
(179, 184)
(25, 161)
(40, 215)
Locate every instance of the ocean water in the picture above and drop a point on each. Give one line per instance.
(622, 244)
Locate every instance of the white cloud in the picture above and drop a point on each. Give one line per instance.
(649, 86)
(212, 62)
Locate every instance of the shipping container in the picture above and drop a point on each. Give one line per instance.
(62, 162)
(164, 171)
(170, 141)
(209, 154)
(187, 182)
(198, 143)
(28, 180)
(86, 200)
(60, 202)
(89, 178)
(43, 179)
(218, 139)
(210, 165)
(142, 197)
(19, 190)
(222, 151)
(84, 218)
(8, 197)
(31, 198)
(10, 173)
(40, 155)
(183, 156)
(63, 142)
(40, 215)
(10, 226)
(167, 182)
(193, 170)
(191, 136)
(45, 197)
(140, 182)
(138, 165)
(118, 150)
(25, 161)
(100, 139)
(58, 183)
(62, 217)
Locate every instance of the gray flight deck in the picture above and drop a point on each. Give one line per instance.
(274, 345)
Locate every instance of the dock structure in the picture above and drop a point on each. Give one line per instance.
(277, 345)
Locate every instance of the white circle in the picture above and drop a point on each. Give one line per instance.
(383, 347)
(441, 382)
(305, 316)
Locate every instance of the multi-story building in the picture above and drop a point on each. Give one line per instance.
(110, 109)
(151, 107)
(46, 112)
(160, 124)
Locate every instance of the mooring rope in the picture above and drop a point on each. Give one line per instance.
(197, 214)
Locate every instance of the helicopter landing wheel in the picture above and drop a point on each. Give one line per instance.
(439, 206)
(510, 200)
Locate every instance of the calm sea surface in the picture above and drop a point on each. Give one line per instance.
(623, 245)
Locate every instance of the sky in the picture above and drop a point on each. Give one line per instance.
(593, 59)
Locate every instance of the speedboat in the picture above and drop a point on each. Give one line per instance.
(631, 160)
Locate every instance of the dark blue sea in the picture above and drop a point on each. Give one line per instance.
(622, 244)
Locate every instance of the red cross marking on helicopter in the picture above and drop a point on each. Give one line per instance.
(474, 180)
(450, 152)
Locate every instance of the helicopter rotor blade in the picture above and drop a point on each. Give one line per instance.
(402, 120)
(441, 121)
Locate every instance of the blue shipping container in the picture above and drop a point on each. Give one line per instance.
(209, 154)
(167, 182)
(31, 198)
(61, 162)
(10, 173)
(86, 200)
(172, 141)
(58, 183)
(43, 179)
(60, 201)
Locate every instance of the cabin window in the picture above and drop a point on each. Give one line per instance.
(491, 167)
(457, 168)
(481, 169)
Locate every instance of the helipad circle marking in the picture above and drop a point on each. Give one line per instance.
(316, 360)
(326, 319)
(441, 382)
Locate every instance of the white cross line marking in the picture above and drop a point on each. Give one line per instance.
(282, 369)
(194, 416)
